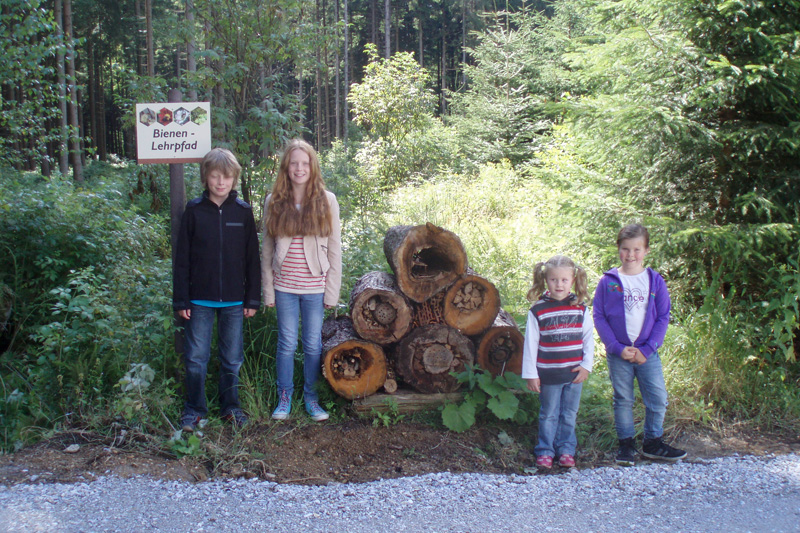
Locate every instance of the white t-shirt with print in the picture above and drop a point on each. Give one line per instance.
(635, 293)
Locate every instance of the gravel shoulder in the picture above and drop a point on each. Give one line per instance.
(737, 493)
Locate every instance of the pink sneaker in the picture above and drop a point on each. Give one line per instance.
(544, 461)
(566, 460)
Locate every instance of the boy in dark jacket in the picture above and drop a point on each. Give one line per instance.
(217, 273)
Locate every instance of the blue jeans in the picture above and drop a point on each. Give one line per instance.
(197, 351)
(557, 415)
(650, 376)
(291, 308)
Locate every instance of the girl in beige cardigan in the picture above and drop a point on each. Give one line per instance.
(301, 268)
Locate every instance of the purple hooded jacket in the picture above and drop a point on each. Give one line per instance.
(609, 314)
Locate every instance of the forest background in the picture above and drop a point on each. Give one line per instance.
(528, 129)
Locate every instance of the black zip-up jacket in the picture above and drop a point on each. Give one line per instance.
(217, 254)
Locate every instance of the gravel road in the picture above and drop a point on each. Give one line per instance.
(730, 494)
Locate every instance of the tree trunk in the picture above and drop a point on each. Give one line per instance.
(91, 69)
(74, 124)
(151, 55)
(191, 61)
(345, 114)
(426, 357)
(387, 27)
(421, 47)
(373, 11)
(380, 312)
(500, 348)
(355, 368)
(63, 137)
(337, 80)
(471, 304)
(426, 259)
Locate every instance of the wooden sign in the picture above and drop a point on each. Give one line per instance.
(178, 132)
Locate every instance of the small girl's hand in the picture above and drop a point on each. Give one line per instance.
(628, 353)
(639, 357)
(534, 384)
(582, 376)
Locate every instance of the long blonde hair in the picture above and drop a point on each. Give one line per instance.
(580, 286)
(314, 216)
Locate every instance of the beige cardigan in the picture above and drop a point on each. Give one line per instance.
(323, 255)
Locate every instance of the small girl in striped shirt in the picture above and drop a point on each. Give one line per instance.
(558, 355)
(301, 269)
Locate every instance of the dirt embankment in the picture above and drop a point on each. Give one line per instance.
(349, 451)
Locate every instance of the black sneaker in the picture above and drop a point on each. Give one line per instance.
(657, 449)
(189, 422)
(626, 455)
(236, 417)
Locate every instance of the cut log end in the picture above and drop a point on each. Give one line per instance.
(471, 304)
(426, 357)
(425, 259)
(355, 368)
(380, 312)
(500, 348)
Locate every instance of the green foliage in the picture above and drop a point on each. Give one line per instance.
(29, 47)
(498, 394)
(191, 446)
(518, 71)
(91, 296)
(395, 106)
(133, 385)
(394, 99)
(387, 418)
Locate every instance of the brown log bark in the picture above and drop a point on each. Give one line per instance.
(425, 259)
(380, 312)
(471, 304)
(355, 368)
(499, 349)
(426, 356)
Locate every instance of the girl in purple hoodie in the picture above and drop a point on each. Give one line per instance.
(631, 315)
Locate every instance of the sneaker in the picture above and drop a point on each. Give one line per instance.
(544, 461)
(317, 413)
(284, 406)
(626, 456)
(657, 449)
(189, 422)
(566, 461)
(236, 417)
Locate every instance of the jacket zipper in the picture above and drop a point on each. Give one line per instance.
(220, 253)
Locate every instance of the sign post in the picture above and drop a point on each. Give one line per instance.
(174, 133)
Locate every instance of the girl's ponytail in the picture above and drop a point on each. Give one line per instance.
(581, 285)
(539, 283)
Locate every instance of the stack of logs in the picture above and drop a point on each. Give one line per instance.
(432, 317)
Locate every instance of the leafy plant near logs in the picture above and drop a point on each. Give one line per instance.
(500, 394)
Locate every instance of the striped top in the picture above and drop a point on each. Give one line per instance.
(295, 277)
(558, 338)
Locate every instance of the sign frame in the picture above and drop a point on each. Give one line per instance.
(172, 132)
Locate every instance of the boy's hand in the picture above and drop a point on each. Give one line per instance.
(185, 314)
(639, 357)
(249, 313)
(582, 376)
(534, 384)
(628, 353)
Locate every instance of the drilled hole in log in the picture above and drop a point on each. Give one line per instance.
(384, 313)
(430, 263)
(437, 359)
(501, 350)
(349, 364)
